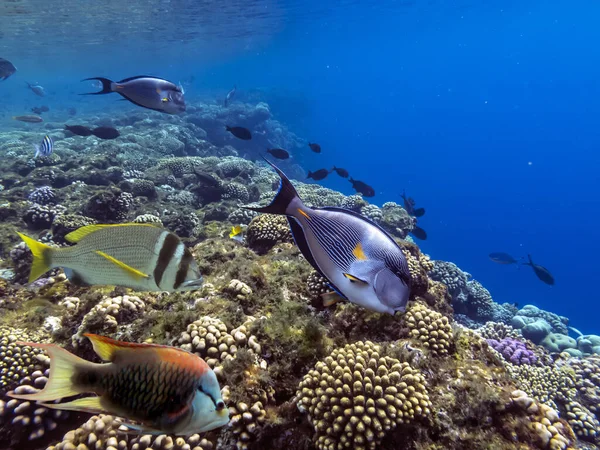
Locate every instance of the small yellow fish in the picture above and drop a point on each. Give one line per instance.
(237, 233)
(164, 389)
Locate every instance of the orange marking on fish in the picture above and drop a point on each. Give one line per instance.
(359, 253)
(303, 213)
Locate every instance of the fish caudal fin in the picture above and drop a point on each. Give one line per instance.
(530, 263)
(37, 151)
(41, 257)
(62, 367)
(286, 194)
(107, 86)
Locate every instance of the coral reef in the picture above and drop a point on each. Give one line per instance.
(513, 350)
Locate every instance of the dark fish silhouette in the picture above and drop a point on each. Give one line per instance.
(148, 92)
(230, 95)
(362, 188)
(540, 271)
(315, 147)
(409, 206)
(240, 132)
(419, 233)
(40, 109)
(318, 174)
(206, 179)
(6, 69)
(341, 172)
(503, 258)
(106, 133)
(79, 130)
(278, 153)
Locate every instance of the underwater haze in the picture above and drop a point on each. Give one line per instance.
(484, 112)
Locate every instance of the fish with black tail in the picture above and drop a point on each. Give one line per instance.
(106, 132)
(361, 262)
(503, 258)
(163, 389)
(45, 148)
(341, 172)
(318, 175)
(362, 188)
(239, 132)
(148, 92)
(314, 147)
(6, 69)
(78, 130)
(37, 89)
(139, 256)
(278, 153)
(540, 271)
(230, 96)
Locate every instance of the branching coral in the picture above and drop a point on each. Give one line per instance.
(267, 230)
(429, 327)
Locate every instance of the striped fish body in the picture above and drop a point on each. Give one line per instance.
(139, 256)
(45, 148)
(359, 259)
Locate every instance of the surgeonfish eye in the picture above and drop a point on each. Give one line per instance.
(166, 99)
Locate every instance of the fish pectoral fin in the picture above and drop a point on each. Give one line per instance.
(331, 298)
(130, 270)
(90, 405)
(354, 279)
(136, 428)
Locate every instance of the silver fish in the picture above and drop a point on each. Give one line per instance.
(37, 89)
(148, 92)
(359, 259)
(230, 95)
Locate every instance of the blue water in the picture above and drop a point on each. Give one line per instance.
(485, 112)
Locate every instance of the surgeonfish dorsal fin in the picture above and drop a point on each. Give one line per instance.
(75, 236)
(127, 268)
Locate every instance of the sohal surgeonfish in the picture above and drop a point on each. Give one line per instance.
(147, 92)
(359, 259)
(540, 271)
(139, 256)
(164, 389)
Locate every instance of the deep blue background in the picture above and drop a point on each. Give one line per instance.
(486, 114)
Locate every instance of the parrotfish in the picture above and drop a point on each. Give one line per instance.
(362, 188)
(341, 172)
(318, 175)
(163, 389)
(139, 256)
(314, 147)
(240, 132)
(148, 92)
(361, 261)
(6, 69)
(278, 153)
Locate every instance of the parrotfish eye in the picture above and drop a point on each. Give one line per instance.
(220, 405)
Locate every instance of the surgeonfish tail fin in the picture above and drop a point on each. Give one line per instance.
(106, 86)
(62, 367)
(41, 257)
(286, 194)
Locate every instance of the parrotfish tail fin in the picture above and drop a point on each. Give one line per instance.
(106, 86)
(286, 194)
(63, 365)
(309, 174)
(41, 257)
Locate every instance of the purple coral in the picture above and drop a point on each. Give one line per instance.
(513, 350)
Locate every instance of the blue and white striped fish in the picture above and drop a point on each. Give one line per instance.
(361, 261)
(45, 148)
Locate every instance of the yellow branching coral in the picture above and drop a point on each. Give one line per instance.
(356, 395)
